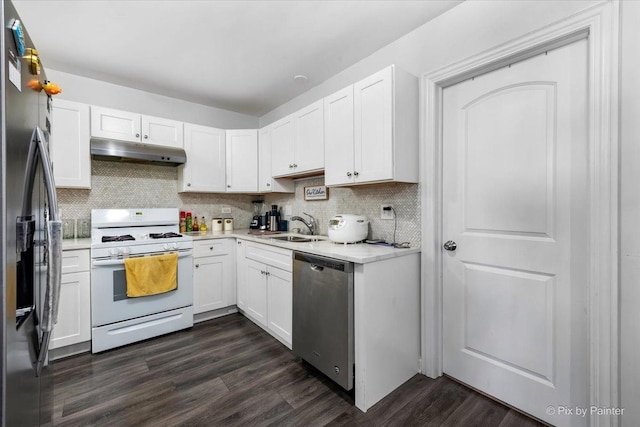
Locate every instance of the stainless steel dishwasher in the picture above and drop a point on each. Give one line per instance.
(323, 315)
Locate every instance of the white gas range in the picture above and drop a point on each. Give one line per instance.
(117, 234)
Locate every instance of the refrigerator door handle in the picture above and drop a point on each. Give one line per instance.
(38, 152)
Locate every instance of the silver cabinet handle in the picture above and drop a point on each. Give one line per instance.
(290, 166)
(188, 184)
(239, 242)
(210, 248)
(450, 246)
(137, 135)
(146, 137)
(197, 265)
(349, 174)
(295, 165)
(355, 173)
(268, 185)
(228, 186)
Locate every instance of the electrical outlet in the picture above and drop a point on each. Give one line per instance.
(226, 210)
(386, 214)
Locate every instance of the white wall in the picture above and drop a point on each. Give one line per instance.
(96, 92)
(467, 29)
(630, 212)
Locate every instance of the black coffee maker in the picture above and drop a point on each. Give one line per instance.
(257, 223)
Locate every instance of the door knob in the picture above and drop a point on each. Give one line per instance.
(450, 246)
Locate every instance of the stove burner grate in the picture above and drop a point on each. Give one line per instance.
(123, 238)
(164, 235)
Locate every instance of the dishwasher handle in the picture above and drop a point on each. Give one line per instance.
(316, 267)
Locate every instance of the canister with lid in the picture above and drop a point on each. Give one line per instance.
(228, 224)
(216, 224)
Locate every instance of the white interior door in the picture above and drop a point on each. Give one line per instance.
(514, 202)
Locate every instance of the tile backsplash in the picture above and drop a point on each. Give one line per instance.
(359, 200)
(124, 185)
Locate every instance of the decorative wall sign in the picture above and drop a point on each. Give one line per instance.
(317, 192)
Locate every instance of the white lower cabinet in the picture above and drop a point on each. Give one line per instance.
(280, 303)
(213, 275)
(257, 291)
(265, 288)
(74, 311)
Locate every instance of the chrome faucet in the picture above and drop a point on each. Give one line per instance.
(311, 224)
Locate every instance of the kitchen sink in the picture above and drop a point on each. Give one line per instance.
(296, 239)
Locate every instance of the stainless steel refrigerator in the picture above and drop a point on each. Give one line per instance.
(30, 231)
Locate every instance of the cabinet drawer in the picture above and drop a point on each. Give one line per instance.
(75, 261)
(270, 255)
(202, 248)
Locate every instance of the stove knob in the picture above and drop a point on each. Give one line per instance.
(174, 246)
(126, 251)
(166, 246)
(114, 252)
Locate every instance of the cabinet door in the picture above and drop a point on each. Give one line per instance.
(241, 275)
(309, 138)
(165, 132)
(242, 160)
(114, 124)
(256, 291)
(280, 303)
(266, 182)
(264, 159)
(282, 146)
(74, 312)
(69, 145)
(373, 106)
(205, 168)
(211, 277)
(339, 138)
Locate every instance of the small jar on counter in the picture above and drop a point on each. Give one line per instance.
(228, 224)
(216, 224)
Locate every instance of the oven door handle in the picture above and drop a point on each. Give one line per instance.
(120, 261)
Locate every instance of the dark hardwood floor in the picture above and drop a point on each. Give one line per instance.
(228, 372)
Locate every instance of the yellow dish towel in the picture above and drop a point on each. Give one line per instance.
(151, 275)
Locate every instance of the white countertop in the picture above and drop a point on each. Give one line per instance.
(360, 253)
(75, 244)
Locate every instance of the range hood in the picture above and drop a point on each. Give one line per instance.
(134, 152)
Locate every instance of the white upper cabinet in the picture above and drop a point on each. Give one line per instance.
(266, 182)
(114, 124)
(298, 142)
(165, 132)
(69, 145)
(282, 145)
(205, 170)
(385, 131)
(125, 126)
(309, 148)
(242, 160)
(339, 138)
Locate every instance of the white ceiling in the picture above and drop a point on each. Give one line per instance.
(236, 55)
